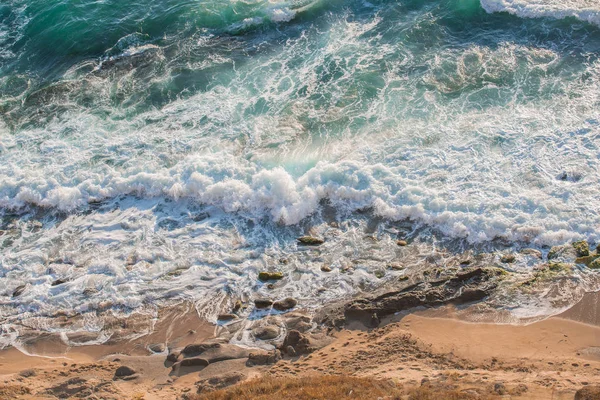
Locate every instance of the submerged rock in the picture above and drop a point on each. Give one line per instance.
(465, 287)
(310, 241)
(401, 243)
(508, 258)
(285, 304)
(19, 290)
(326, 268)
(263, 303)
(532, 252)
(270, 276)
(582, 248)
(227, 317)
(266, 332)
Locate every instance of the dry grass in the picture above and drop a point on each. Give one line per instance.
(331, 388)
(309, 388)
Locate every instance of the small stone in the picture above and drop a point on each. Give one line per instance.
(508, 258)
(266, 332)
(500, 388)
(326, 268)
(401, 243)
(173, 357)
(403, 278)
(59, 282)
(375, 320)
(285, 304)
(237, 306)
(226, 317)
(310, 241)
(124, 371)
(395, 267)
(582, 248)
(290, 351)
(19, 291)
(28, 373)
(379, 274)
(263, 303)
(270, 276)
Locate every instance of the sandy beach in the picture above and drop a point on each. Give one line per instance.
(550, 359)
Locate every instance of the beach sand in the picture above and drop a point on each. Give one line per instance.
(549, 359)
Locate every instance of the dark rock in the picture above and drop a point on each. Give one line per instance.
(582, 248)
(237, 306)
(465, 287)
(123, 371)
(290, 351)
(508, 258)
(192, 362)
(325, 268)
(28, 373)
(263, 303)
(285, 304)
(192, 350)
(212, 353)
(500, 388)
(270, 276)
(157, 347)
(375, 321)
(266, 332)
(219, 382)
(263, 358)
(173, 357)
(310, 241)
(299, 342)
(59, 282)
(19, 290)
(595, 264)
(402, 243)
(588, 393)
(227, 317)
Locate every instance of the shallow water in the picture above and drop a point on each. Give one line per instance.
(166, 151)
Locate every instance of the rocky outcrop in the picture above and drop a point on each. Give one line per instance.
(266, 332)
(299, 342)
(285, 304)
(582, 248)
(588, 393)
(263, 358)
(465, 287)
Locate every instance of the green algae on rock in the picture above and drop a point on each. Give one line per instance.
(270, 276)
(310, 241)
(582, 248)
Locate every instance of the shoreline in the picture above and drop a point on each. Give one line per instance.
(432, 346)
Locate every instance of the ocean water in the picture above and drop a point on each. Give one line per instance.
(161, 151)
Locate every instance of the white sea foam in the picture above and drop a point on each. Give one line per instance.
(191, 199)
(584, 10)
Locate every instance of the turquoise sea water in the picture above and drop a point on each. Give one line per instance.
(154, 150)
